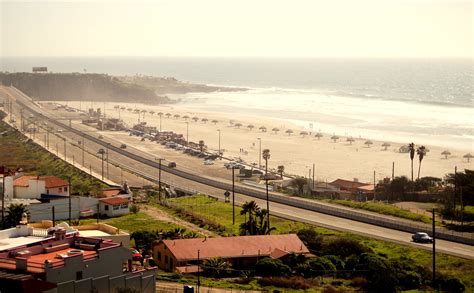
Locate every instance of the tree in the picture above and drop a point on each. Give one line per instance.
(134, 209)
(421, 151)
(15, 213)
(271, 267)
(215, 267)
(201, 145)
(298, 183)
(316, 266)
(281, 169)
(250, 208)
(411, 149)
(465, 183)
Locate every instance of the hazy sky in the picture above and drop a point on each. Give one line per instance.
(288, 28)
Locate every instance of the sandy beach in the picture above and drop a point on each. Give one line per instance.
(297, 153)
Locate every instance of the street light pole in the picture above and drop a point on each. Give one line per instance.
(259, 152)
(65, 158)
(159, 178)
(233, 195)
(107, 154)
(218, 130)
(83, 149)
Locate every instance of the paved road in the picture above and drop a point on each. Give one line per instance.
(298, 214)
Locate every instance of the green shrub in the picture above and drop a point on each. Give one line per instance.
(297, 283)
(343, 247)
(316, 266)
(267, 266)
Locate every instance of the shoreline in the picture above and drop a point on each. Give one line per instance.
(333, 160)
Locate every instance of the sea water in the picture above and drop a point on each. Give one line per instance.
(428, 101)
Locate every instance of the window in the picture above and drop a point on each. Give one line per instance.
(159, 256)
(79, 275)
(65, 189)
(60, 189)
(106, 207)
(124, 206)
(116, 207)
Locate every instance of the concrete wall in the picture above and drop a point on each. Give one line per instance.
(34, 189)
(43, 211)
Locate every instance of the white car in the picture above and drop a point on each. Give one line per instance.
(208, 162)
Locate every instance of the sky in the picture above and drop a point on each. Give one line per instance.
(238, 28)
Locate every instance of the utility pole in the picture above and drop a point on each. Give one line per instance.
(233, 195)
(434, 246)
(313, 174)
(47, 135)
(70, 194)
(65, 157)
(107, 155)
(455, 187)
(53, 216)
(82, 149)
(374, 185)
(159, 178)
(393, 170)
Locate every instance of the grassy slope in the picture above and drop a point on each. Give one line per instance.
(16, 151)
(222, 212)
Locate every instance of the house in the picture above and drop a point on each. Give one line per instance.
(30, 187)
(355, 187)
(58, 261)
(243, 252)
(114, 206)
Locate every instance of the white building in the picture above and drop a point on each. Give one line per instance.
(29, 187)
(114, 207)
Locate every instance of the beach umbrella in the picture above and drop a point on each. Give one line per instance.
(185, 117)
(160, 114)
(122, 108)
(318, 135)
(204, 120)
(152, 112)
(250, 126)
(214, 121)
(335, 138)
(195, 118)
(116, 107)
(289, 131)
(350, 140)
(275, 130)
(263, 128)
(136, 111)
(143, 111)
(238, 125)
(303, 133)
(168, 115)
(446, 153)
(386, 145)
(231, 122)
(368, 143)
(176, 116)
(468, 156)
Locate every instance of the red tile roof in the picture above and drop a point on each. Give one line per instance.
(114, 200)
(50, 181)
(232, 247)
(111, 192)
(347, 184)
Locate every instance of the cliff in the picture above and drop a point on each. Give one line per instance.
(75, 86)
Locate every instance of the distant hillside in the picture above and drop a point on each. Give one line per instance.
(169, 85)
(75, 86)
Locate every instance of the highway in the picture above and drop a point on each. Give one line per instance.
(280, 205)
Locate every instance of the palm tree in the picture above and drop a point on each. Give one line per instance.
(318, 135)
(263, 129)
(350, 140)
(275, 130)
(299, 183)
(250, 127)
(263, 227)
(411, 149)
(195, 119)
(215, 267)
(468, 156)
(421, 151)
(386, 145)
(335, 138)
(15, 213)
(238, 125)
(281, 169)
(201, 145)
(368, 143)
(249, 207)
(289, 131)
(214, 121)
(446, 153)
(303, 133)
(266, 157)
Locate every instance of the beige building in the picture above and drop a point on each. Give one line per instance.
(30, 187)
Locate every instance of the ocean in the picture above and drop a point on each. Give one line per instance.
(428, 101)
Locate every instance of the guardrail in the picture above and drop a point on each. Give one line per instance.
(382, 221)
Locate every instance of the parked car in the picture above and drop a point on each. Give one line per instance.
(421, 237)
(208, 162)
(123, 146)
(172, 164)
